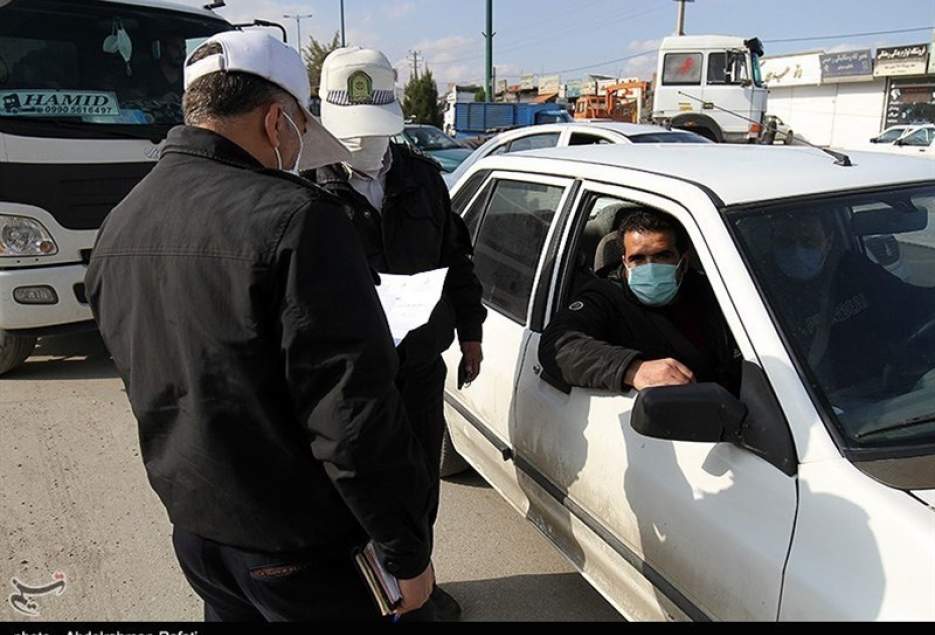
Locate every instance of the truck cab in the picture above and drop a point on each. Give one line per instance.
(88, 91)
(701, 77)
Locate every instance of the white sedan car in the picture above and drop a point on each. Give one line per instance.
(594, 132)
(810, 495)
(918, 141)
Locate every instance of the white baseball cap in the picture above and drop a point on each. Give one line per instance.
(261, 54)
(358, 94)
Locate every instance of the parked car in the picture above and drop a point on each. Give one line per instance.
(917, 141)
(798, 499)
(573, 134)
(891, 134)
(433, 142)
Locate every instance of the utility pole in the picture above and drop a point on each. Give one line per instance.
(680, 24)
(298, 25)
(343, 31)
(415, 63)
(488, 85)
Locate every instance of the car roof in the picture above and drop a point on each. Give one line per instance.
(736, 174)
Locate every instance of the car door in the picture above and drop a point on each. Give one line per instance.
(708, 525)
(511, 220)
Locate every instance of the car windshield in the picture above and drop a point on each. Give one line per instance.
(851, 282)
(891, 135)
(668, 137)
(94, 65)
(428, 139)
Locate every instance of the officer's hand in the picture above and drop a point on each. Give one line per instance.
(663, 372)
(416, 591)
(472, 357)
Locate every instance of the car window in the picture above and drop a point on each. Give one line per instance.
(510, 242)
(583, 139)
(466, 193)
(475, 212)
(535, 142)
(682, 69)
(891, 135)
(668, 137)
(500, 149)
(921, 138)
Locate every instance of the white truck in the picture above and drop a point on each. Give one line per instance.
(712, 85)
(88, 91)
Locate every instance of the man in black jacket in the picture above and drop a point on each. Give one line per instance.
(400, 206)
(242, 317)
(653, 323)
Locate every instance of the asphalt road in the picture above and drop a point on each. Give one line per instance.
(75, 500)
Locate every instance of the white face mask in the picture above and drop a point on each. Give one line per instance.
(298, 159)
(119, 43)
(368, 154)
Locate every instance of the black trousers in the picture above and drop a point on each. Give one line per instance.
(422, 388)
(322, 584)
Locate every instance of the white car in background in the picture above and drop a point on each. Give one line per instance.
(801, 498)
(593, 132)
(918, 141)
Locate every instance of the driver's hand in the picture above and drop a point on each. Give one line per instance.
(658, 374)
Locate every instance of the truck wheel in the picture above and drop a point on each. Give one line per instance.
(14, 349)
(452, 463)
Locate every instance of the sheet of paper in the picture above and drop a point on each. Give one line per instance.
(408, 301)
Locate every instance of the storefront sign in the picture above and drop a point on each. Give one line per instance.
(910, 102)
(902, 60)
(792, 70)
(573, 89)
(850, 66)
(528, 82)
(550, 85)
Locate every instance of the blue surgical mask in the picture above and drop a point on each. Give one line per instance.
(801, 263)
(655, 284)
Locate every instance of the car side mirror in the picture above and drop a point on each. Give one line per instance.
(875, 140)
(697, 413)
(747, 83)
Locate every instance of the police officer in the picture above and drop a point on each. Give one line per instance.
(400, 206)
(242, 317)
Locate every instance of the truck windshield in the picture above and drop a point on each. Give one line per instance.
(94, 66)
(851, 282)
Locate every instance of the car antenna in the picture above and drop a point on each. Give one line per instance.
(839, 157)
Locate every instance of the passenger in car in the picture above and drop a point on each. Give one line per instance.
(653, 322)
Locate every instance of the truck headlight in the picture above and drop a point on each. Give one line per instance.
(24, 237)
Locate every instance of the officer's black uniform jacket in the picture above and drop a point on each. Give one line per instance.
(592, 343)
(415, 232)
(243, 319)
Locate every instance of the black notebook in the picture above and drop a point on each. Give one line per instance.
(383, 585)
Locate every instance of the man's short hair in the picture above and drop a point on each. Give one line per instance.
(653, 222)
(221, 95)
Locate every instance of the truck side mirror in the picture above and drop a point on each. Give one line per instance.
(697, 413)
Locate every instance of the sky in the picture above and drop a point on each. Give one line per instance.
(583, 36)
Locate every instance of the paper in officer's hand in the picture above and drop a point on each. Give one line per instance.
(408, 301)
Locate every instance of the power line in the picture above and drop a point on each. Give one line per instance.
(848, 35)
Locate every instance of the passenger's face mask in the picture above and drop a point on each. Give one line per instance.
(801, 263)
(655, 284)
(298, 159)
(368, 154)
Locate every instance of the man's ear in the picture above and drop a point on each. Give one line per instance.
(271, 124)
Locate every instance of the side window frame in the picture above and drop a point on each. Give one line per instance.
(575, 226)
